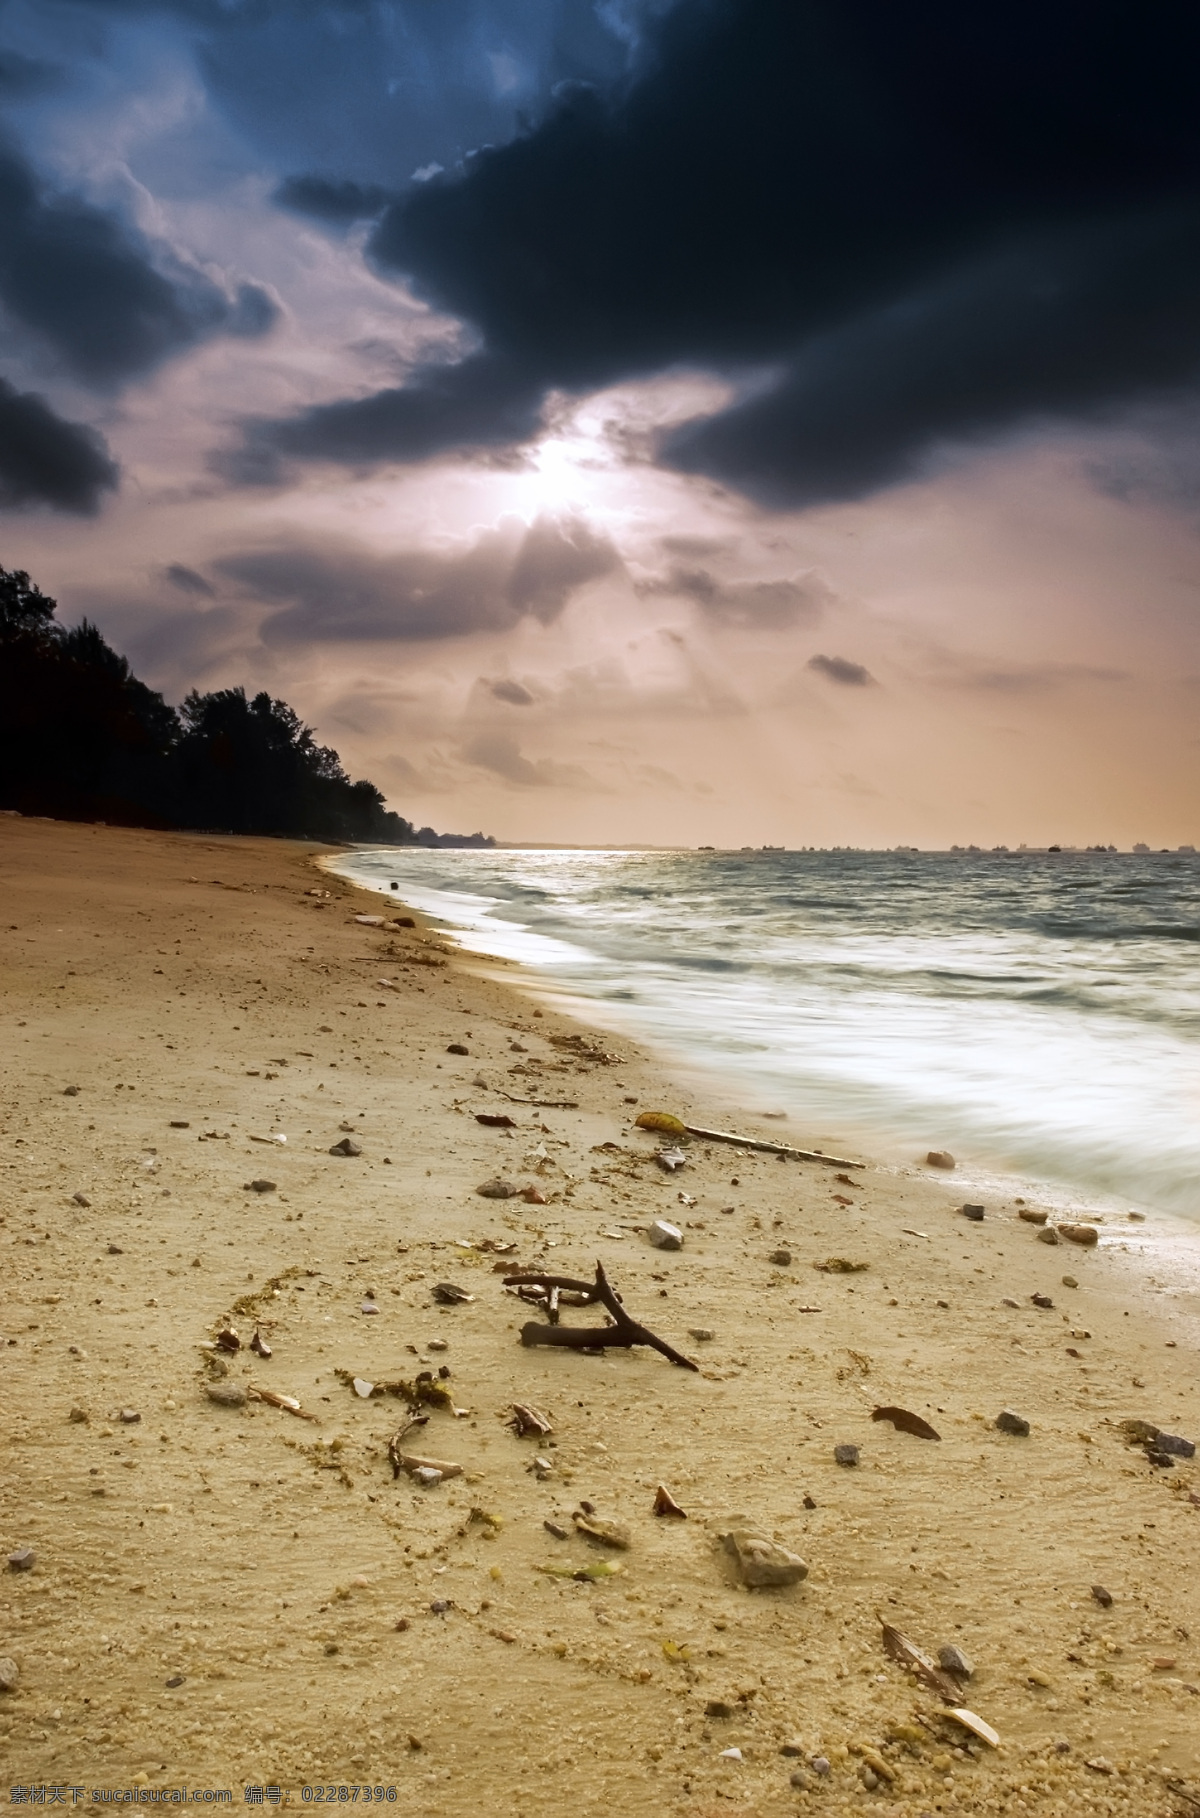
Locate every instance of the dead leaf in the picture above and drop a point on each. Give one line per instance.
(904, 1422)
(899, 1647)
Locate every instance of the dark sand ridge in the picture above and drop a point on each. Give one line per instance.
(266, 1561)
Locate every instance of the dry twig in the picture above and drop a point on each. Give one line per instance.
(623, 1332)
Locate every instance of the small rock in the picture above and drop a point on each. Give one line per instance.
(115, 1250)
(940, 1158)
(22, 1560)
(1171, 1442)
(70, 1091)
(130, 1416)
(439, 1344)
(1008, 1301)
(761, 1562)
(1069, 1281)
(869, 1777)
(556, 1528)
(497, 1189)
(1032, 1215)
(428, 1475)
(1041, 1300)
(1008, 1422)
(176, 1679)
(1047, 1235)
(953, 1660)
(791, 1748)
(458, 1048)
(449, 1294)
(81, 1199)
(10, 1674)
(368, 1307)
(809, 1502)
(718, 1707)
(820, 1765)
(665, 1236)
(226, 1394)
(702, 1334)
(1103, 1598)
(974, 1213)
(80, 1416)
(439, 1607)
(845, 1455)
(347, 1146)
(268, 1186)
(781, 1258)
(800, 1780)
(1080, 1234)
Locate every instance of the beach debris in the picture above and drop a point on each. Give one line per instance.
(370, 921)
(362, 1387)
(729, 1754)
(22, 1559)
(664, 1123)
(702, 1334)
(426, 1470)
(595, 1573)
(1008, 1422)
(1080, 1234)
(846, 1455)
(904, 1422)
(909, 1232)
(533, 1196)
(686, 1199)
(781, 1258)
(1103, 1598)
(1048, 1235)
(226, 1394)
(970, 1720)
(1041, 1300)
(448, 1294)
(498, 1189)
(423, 1391)
(496, 1120)
(528, 1422)
(975, 1213)
(664, 1235)
(259, 1345)
(228, 1340)
(80, 1199)
(901, 1647)
(665, 1503)
(940, 1158)
(670, 1159)
(761, 1563)
(260, 1186)
(287, 1403)
(1032, 1215)
(623, 1332)
(347, 1146)
(1069, 1281)
(10, 1673)
(1174, 1444)
(840, 1265)
(129, 1417)
(668, 1125)
(953, 1660)
(556, 1528)
(608, 1533)
(70, 1091)
(276, 1136)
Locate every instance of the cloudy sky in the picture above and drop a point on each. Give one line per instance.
(726, 421)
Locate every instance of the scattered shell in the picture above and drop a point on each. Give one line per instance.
(449, 1294)
(976, 1725)
(670, 1159)
(608, 1533)
(665, 1503)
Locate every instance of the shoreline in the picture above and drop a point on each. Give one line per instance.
(228, 1595)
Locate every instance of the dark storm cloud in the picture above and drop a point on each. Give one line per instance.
(841, 670)
(331, 592)
(108, 303)
(188, 581)
(894, 226)
(44, 460)
(21, 76)
(337, 201)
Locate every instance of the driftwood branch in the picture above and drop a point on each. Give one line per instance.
(623, 1333)
(752, 1142)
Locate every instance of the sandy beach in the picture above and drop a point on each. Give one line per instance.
(224, 1594)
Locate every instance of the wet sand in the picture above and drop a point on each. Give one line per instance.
(234, 1596)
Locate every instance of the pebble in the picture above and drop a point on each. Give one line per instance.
(368, 1306)
(800, 1780)
(10, 1674)
(439, 1344)
(176, 1679)
(1103, 1598)
(1069, 1281)
(1047, 1235)
(869, 1778)
(718, 1707)
(22, 1560)
(953, 1660)
(81, 1199)
(1032, 1216)
(1041, 1300)
(781, 1258)
(347, 1146)
(702, 1334)
(130, 1416)
(761, 1562)
(730, 1755)
(845, 1455)
(269, 1186)
(820, 1765)
(458, 1048)
(80, 1416)
(974, 1213)
(427, 1475)
(226, 1394)
(497, 1189)
(1008, 1301)
(665, 1236)
(791, 1748)
(1008, 1422)
(1171, 1442)
(940, 1158)
(1080, 1234)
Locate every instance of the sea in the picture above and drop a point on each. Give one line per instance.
(1037, 1014)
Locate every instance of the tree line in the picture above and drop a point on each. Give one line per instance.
(82, 739)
